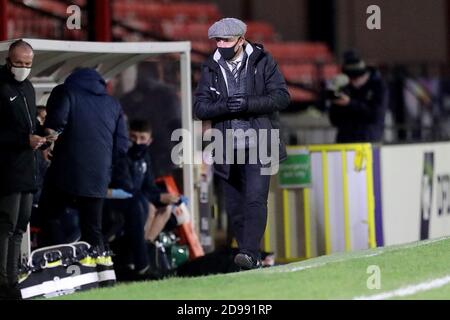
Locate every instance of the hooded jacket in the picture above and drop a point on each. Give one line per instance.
(94, 134)
(266, 92)
(17, 122)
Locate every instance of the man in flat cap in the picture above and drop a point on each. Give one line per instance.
(241, 91)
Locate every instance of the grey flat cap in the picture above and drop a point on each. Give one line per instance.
(227, 28)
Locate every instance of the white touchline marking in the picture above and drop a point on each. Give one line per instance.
(379, 251)
(409, 290)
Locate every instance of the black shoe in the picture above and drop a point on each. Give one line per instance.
(246, 262)
(148, 274)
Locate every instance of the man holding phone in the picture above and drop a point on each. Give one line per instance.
(18, 144)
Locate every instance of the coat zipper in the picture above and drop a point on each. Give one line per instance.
(28, 113)
(31, 132)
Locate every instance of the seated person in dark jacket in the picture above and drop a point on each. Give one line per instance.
(359, 109)
(136, 196)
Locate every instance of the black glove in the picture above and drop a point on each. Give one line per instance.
(237, 103)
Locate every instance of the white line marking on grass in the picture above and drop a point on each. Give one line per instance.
(409, 290)
(319, 264)
(379, 251)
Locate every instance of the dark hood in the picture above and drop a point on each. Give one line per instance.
(89, 80)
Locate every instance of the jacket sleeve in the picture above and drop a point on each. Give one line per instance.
(121, 175)
(58, 108)
(10, 138)
(277, 95)
(209, 104)
(19, 140)
(362, 111)
(149, 188)
(120, 143)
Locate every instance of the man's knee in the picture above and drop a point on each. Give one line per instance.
(256, 199)
(164, 211)
(152, 209)
(6, 228)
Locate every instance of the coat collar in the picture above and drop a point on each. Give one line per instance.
(254, 52)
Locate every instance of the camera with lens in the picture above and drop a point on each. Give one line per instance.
(330, 94)
(334, 87)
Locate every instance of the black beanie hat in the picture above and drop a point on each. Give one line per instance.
(353, 65)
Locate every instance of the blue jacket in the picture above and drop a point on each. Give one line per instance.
(94, 134)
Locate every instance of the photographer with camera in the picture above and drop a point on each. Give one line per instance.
(358, 103)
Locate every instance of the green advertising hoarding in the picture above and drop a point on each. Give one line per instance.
(295, 171)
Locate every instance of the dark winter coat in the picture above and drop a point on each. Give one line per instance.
(17, 123)
(94, 133)
(363, 119)
(266, 92)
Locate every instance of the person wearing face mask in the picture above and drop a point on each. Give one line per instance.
(242, 88)
(92, 137)
(18, 144)
(359, 110)
(134, 194)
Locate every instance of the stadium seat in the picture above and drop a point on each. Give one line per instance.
(298, 94)
(190, 31)
(298, 51)
(185, 21)
(304, 73)
(259, 31)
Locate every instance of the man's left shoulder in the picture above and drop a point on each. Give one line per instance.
(258, 49)
(261, 54)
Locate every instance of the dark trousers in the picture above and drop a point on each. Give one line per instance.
(134, 212)
(52, 206)
(15, 212)
(246, 192)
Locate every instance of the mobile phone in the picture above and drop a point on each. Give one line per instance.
(54, 134)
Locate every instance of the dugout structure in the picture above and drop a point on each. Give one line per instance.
(54, 60)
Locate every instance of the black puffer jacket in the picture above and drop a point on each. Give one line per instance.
(266, 92)
(17, 122)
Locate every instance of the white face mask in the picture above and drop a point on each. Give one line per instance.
(20, 74)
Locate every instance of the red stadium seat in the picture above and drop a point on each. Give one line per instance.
(304, 73)
(298, 51)
(298, 94)
(303, 62)
(259, 31)
(330, 70)
(190, 31)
